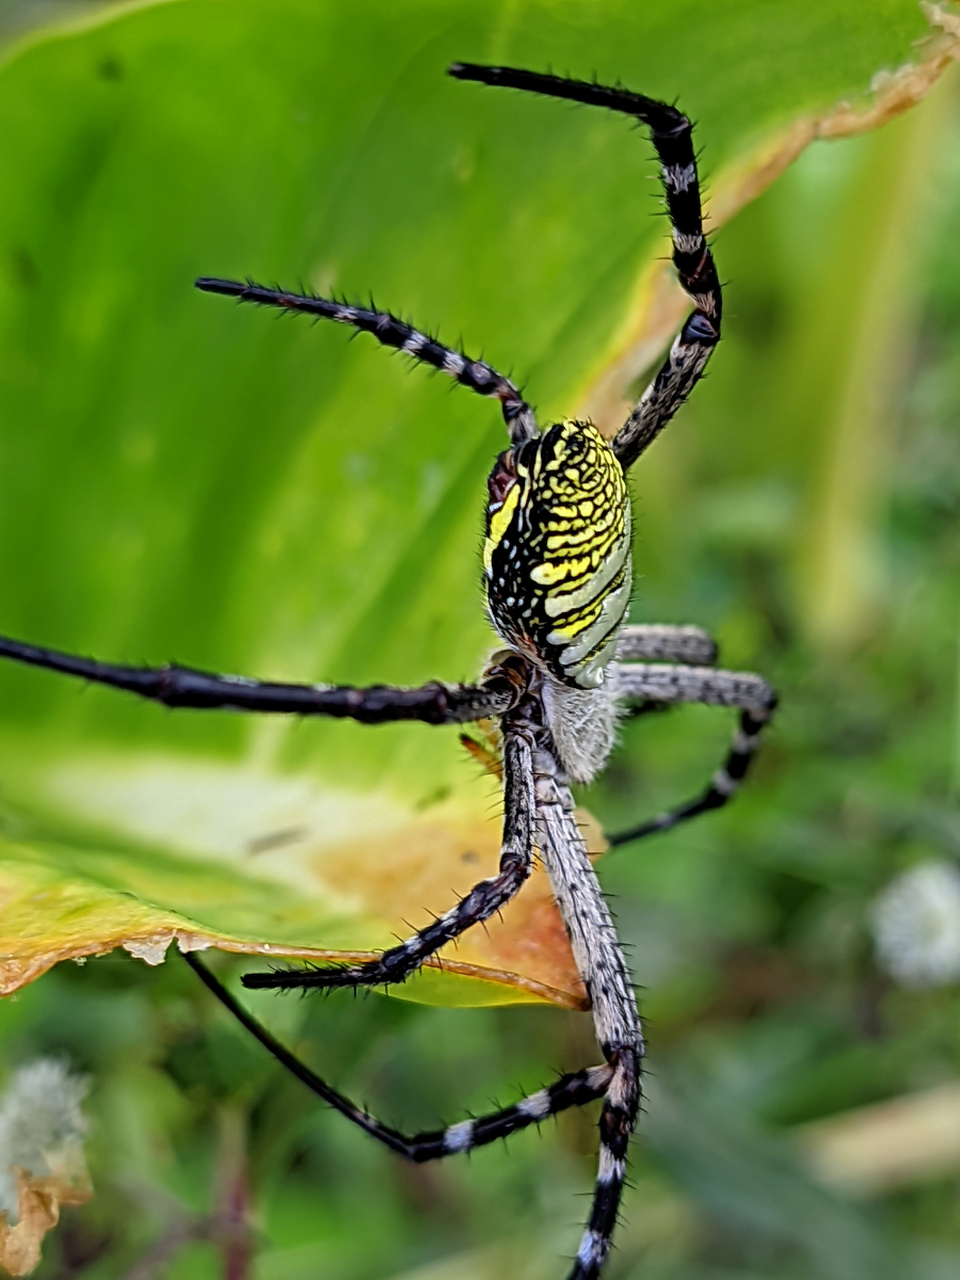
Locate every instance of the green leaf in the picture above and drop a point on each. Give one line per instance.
(186, 479)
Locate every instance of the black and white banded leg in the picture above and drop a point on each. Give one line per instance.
(602, 966)
(393, 332)
(670, 685)
(576, 1089)
(484, 899)
(671, 132)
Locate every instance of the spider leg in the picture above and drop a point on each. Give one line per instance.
(575, 1089)
(484, 899)
(671, 685)
(601, 963)
(393, 332)
(653, 642)
(671, 132)
(433, 703)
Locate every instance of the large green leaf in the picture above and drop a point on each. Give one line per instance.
(182, 478)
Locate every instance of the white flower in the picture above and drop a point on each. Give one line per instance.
(41, 1125)
(916, 925)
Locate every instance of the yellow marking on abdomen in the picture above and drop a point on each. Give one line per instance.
(499, 523)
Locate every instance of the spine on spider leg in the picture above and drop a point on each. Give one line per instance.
(390, 331)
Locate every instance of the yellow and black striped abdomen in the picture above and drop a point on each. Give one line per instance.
(557, 552)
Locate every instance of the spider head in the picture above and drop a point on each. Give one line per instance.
(556, 557)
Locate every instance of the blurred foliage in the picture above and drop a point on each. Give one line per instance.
(19, 16)
(804, 506)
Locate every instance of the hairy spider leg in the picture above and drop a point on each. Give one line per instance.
(660, 642)
(484, 899)
(679, 683)
(175, 686)
(576, 1089)
(664, 685)
(392, 332)
(601, 964)
(672, 135)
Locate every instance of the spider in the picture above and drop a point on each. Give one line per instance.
(557, 579)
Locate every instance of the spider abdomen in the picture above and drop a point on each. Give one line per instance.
(557, 552)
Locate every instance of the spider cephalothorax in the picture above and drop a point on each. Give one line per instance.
(557, 552)
(557, 574)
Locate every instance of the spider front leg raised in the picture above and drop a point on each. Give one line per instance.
(672, 135)
(484, 899)
(391, 331)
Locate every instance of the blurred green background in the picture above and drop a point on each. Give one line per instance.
(805, 508)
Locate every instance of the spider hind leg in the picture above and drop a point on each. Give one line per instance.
(576, 1089)
(662, 685)
(618, 1120)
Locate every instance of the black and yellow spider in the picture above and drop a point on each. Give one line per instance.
(557, 577)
